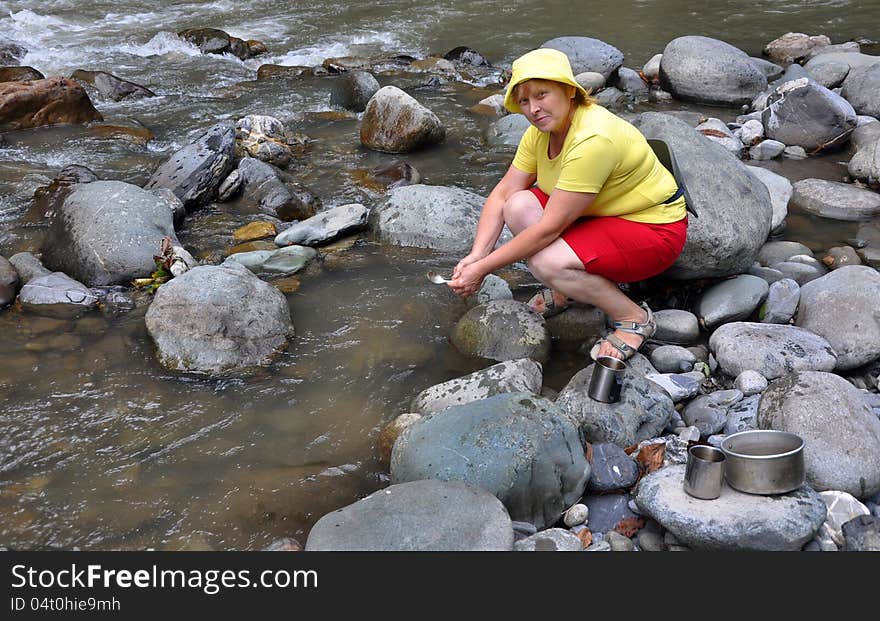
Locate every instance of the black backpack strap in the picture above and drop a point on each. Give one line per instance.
(664, 154)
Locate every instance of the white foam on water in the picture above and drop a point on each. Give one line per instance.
(162, 43)
(373, 42)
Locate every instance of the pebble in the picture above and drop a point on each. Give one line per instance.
(794, 152)
(651, 542)
(576, 515)
(599, 546)
(750, 382)
(619, 543)
(766, 150)
(689, 434)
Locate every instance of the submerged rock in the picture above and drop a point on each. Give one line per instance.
(502, 330)
(52, 101)
(56, 295)
(325, 226)
(835, 200)
(110, 86)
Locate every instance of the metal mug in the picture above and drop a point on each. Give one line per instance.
(607, 379)
(704, 472)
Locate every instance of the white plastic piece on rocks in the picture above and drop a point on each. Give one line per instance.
(689, 434)
(842, 507)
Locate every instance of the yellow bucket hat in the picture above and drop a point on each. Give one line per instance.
(545, 64)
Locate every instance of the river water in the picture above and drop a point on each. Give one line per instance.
(100, 448)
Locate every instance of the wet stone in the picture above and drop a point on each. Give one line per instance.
(672, 359)
(840, 256)
(550, 540)
(612, 469)
(675, 326)
(750, 382)
(782, 302)
(254, 230)
(607, 511)
(778, 251)
(678, 386)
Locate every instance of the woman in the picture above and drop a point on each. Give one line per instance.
(588, 202)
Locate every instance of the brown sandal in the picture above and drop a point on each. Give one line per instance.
(551, 307)
(645, 330)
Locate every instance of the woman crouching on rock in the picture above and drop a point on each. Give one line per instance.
(588, 202)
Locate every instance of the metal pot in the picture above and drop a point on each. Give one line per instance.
(764, 461)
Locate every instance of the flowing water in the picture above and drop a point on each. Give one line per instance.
(100, 448)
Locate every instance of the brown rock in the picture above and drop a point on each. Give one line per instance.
(394, 122)
(256, 48)
(19, 74)
(392, 431)
(345, 63)
(286, 285)
(50, 101)
(134, 135)
(267, 71)
(253, 245)
(254, 230)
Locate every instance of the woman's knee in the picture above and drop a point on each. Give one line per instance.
(521, 210)
(549, 263)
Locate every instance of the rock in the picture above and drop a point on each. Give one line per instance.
(842, 308)
(19, 74)
(678, 386)
(521, 375)
(507, 131)
(417, 516)
(493, 288)
(28, 266)
(354, 90)
(771, 350)
(677, 327)
(751, 132)
(214, 41)
(285, 544)
(716, 130)
(734, 521)
(839, 256)
(799, 272)
(865, 163)
(195, 172)
(782, 302)
(326, 226)
(218, 319)
(502, 330)
(56, 295)
(520, 447)
(618, 542)
(427, 216)
(778, 251)
(290, 71)
(672, 359)
(780, 190)
(52, 101)
(848, 48)
(643, 411)
(767, 273)
(607, 511)
(612, 98)
(272, 191)
(394, 122)
(466, 56)
(708, 413)
(612, 469)
(842, 508)
(842, 433)
(651, 542)
(792, 46)
(11, 51)
(592, 81)
(862, 534)
(283, 261)
(794, 152)
(629, 81)
(838, 201)
(9, 282)
(550, 540)
(391, 432)
(174, 204)
(587, 54)
(743, 415)
(861, 88)
(576, 515)
(731, 300)
(805, 113)
(652, 67)
(110, 86)
(830, 74)
(107, 232)
(706, 70)
(734, 207)
(254, 230)
(770, 70)
(262, 137)
(766, 150)
(576, 326)
(491, 106)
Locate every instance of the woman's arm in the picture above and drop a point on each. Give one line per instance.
(562, 209)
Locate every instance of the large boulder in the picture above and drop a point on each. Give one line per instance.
(643, 411)
(842, 307)
(273, 192)
(835, 200)
(52, 101)
(502, 330)
(264, 138)
(587, 54)
(735, 521)
(792, 46)
(522, 448)
(9, 281)
(428, 216)
(507, 131)
(865, 163)
(56, 295)
(841, 433)
(780, 190)
(195, 172)
(862, 89)
(771, 350)
(394, 122)
(706, 70)
(420, 516)
(733, 205)
(110, 86)
(523, 375)
(218, 319)
(805, 113)
(353, 90)
(107, 233)
(325, 226)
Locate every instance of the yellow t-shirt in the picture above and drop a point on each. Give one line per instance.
(605, 155)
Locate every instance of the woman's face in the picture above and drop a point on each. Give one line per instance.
(545, 103)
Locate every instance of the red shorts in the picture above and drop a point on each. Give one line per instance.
(623, 250)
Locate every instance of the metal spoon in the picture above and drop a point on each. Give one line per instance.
(437, 279)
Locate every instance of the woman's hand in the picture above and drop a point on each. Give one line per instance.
(466, 279)
(473, 257)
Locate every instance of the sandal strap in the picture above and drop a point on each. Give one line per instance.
(620, 345)
(549, 302)
(645, 330)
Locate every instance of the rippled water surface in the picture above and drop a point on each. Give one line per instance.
(100, 448)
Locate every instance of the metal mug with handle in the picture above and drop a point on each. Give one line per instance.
(607, 378)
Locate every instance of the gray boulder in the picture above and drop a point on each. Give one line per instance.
(782, 302)
(793, 46)
(643, 411)
(717, 131)
(520, 447)
(865, 163)
(735, 520)
(218, 319)
(110, 86)
(9, 281)
(507, 131)
(521, 375)
(502, 330)
(676, 327)
(831, 54)
(28, 266)
(195, 172)
(731, 300)
(862, 534)
(612, 469)
(550, 540)
(770, 70)
(607, 511)
(493, 288)
(775, 252)
(592, 81)
(630, 82)
(841, 432)
(107, 232)
(766, 150)
(805, 113)
(672, 359)
(587, 54)
(56, 295)
(264, 138)
(353, 90)
(830, 74)
(325, 226)
(835, 200)
(706, 70)
(794, 72)
(734, 206)
(771, 350)
(678, 386)
(284, 261)
(780, 190)
(272, 191)
(743, 415)
(801, 273)
(427, 216)
(842, 307)
(420, 516)
(709, 413)
(394, 122)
